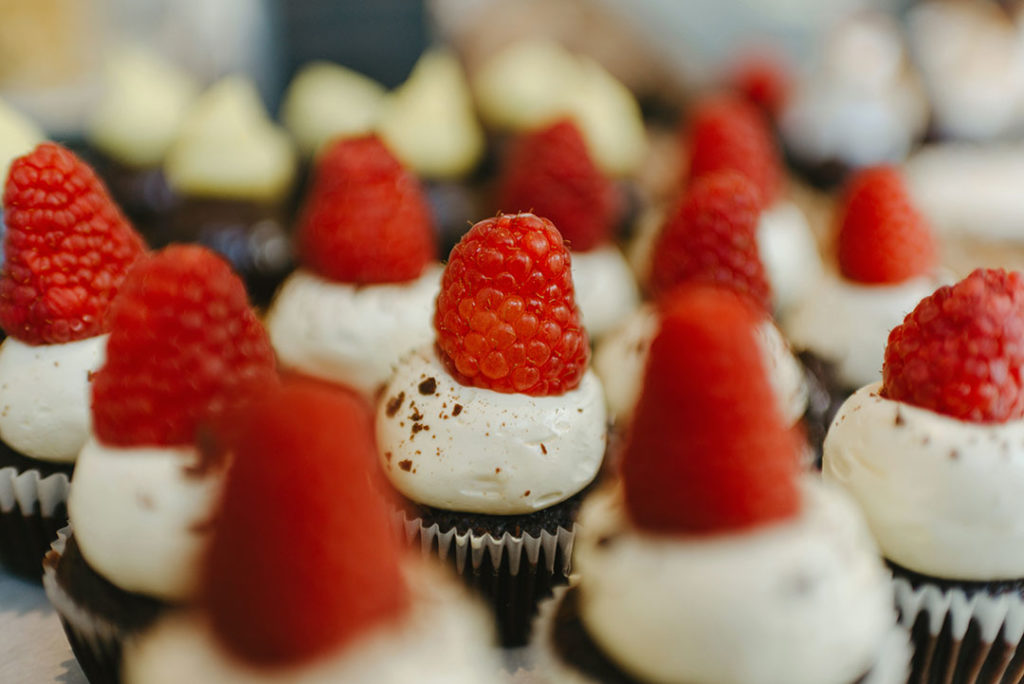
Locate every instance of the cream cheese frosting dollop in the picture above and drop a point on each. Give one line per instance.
(351, 334)
(144, 102)
(45, 396)
(443, 640)
(18, 135)
(429, 121)
(228, 147)
(142, 515)
(461, 448)
(756, 606)
(326, 101)
(606, 291)
(941, 495)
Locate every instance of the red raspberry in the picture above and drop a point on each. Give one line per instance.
(711, 237)
(728, 132)
(506, 317)
(550, 173)
(366, 219)
(66, 251)
(882, 237)
(764, 79)
(708, 449)
(184, 345)
(960, 352)
(302, 559)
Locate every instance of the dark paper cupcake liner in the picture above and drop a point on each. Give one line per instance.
(967, 634)
(32, 508)
(512, 572)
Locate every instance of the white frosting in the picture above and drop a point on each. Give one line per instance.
(326, 101)
(351, 334)
(443, 640)
(941, 495)
(534, 82)
(430, 122)
(967, 189)
(140, 517)
(228, 147)
(862, 105)
(18, 135)
(621, 358)
(45, 396)
(972, 62)
(848, 323)
(789, 253)
(497, 453)
(605, 289)
(803, 601)
(143, 105)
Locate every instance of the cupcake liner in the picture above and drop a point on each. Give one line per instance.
(891, 665)
(95, 642)
(512, 573)
(32, 509)
(960, 636)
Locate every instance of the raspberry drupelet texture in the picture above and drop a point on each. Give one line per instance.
(728, 132)
(711, 237)
(960, 352)
(882, 237)
(506, 316)
(290, 574)
(550, 173)
(184, 346)
(366, 219)
(708, 450)
(66, 250)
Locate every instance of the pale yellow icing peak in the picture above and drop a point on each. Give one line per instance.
(18, 135)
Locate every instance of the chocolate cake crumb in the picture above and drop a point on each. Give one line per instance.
(428, 386)
(543, 449)
(394, 404)
(526, 493)
(605, 540)
(387, 456)
(497, 470)
(145, 501)
(415, 415)
(954, 454)
(457, 409)
(417, 427)
(405, 465)
(899, 419)
(90, 375)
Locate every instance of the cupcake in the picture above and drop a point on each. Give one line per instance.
(714, 561)
(710, 238)
(303, 580)
(184, 348)
(144, 101)
(931, 453)
(491, 435)
(233, 169)
(367, 276)
(550, 172)
(67, 249)
(887, 258)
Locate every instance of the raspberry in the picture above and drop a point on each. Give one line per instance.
(882, 237)
(184, 345)
(67, 249)
(708, 449)
(366, 219)
(728, 132)
(550, 173)
(302, 558)
(960, 352)
(763, 78)
(711, 237)
(506, 316)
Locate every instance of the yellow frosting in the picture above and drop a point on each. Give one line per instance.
(18, 135)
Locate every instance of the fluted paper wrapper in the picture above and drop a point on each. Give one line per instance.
(963, 637)
(512, 573)
(890, 667)
(32, 509)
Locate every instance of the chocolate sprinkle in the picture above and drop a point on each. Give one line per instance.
(428, 386)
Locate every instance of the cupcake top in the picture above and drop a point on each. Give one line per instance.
(932, 452)
(228, 147)
(18, 135)
(326, 101)
(144, 102)
(686, 568)
(501, 416)
(67, 249)
(430, 122)
(296, 588)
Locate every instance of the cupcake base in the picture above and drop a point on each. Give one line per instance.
(967, 632)
(824, 397)
(143, 193)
